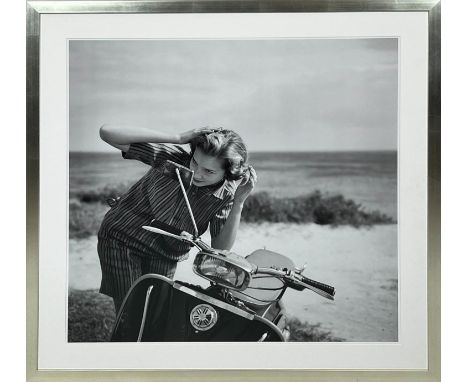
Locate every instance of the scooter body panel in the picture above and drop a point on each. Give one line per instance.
(157, 309)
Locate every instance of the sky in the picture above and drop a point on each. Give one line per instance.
(279, 95)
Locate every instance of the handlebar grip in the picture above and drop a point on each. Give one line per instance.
(323, 287)
(165, 227)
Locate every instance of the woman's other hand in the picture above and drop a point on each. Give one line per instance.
(191, 134)
(246, 186)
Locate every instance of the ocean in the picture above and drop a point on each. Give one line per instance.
(367, 177)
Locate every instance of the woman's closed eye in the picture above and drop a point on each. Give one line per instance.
(206, 170)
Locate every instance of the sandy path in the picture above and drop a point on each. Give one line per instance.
(361, 263)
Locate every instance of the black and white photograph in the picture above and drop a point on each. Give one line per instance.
(225, 190)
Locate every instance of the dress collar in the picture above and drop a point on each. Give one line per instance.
(219, 189)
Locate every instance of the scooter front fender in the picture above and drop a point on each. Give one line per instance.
(158, 309)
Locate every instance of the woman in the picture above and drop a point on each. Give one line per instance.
(222, 181)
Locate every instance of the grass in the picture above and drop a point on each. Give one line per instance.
(306, 332)
(91, 317)
(87, 209)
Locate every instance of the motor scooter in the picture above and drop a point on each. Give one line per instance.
(242, 303)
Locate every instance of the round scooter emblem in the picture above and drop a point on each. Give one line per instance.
(203, 317)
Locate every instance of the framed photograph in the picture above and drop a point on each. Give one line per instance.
(233, 190)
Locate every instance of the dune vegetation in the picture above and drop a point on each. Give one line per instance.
(315, 208)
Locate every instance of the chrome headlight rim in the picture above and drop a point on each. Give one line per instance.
(229, 258)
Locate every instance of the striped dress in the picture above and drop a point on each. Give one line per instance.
(156, 196)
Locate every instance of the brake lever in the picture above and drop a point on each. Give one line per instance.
(300, 270)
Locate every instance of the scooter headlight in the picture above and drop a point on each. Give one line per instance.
(230, 270)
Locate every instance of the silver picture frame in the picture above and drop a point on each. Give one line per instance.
(35, 9)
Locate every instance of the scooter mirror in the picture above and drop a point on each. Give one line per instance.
(169, 170)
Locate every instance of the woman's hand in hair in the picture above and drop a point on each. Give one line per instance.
(191, 134)
(246, 186)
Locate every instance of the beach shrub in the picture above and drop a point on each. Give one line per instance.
(323, 215)
(313, 208)
(100, 195)
(84, 219)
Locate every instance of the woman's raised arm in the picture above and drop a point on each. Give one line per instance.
(121, 136)
(227, 235)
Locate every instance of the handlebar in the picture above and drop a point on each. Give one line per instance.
(294, 279)
(322, 289)
(165, 227)
(167, 230)
(328, 289)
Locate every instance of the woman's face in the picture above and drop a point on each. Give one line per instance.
(207, 169)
